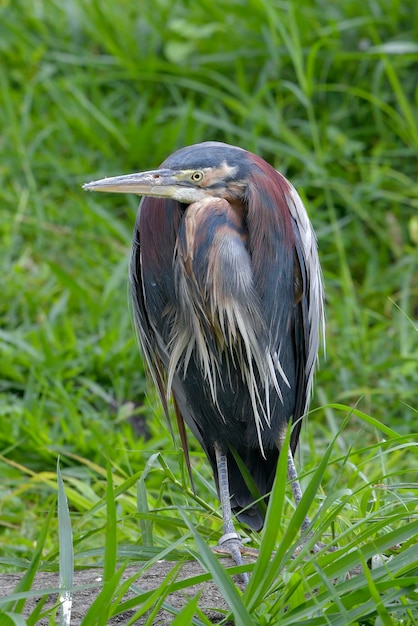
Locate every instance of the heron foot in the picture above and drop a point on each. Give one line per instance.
(231, 544)
(245, 550)
(317, 547)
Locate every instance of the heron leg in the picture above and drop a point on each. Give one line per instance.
(297, 495)
(230, 540)
(295, 484)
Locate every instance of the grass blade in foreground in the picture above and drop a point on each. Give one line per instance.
(100, 609)
(268, 568)
(142, 502)
(26, 582)
(98, 613)
(185, 617)
(225, 585)
(15, 618)
(111, 529)
(156, 601)
(258, 584)
(66, 554)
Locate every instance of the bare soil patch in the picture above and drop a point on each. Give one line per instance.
(211, 601)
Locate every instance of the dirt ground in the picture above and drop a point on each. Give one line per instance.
(151, 579)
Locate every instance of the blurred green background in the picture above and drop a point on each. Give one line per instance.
(326, 92)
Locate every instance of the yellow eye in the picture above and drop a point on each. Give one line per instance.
(197, 176)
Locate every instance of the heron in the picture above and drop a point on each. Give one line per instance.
(228, 303)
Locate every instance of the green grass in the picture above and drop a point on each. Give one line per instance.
(326, 93)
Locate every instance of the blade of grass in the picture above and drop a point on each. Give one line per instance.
(26, 582)
(374, 594)
(284, 552)
(111, 530)
(8, 618)
(225, 585)
(66, 554)
(162, 593)
(150, 600)
(185, 617)
(256, 583)
(142, 502)
(99, 611)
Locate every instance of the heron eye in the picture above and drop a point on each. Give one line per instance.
(197, 177)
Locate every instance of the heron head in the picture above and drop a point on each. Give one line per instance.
(209, 169)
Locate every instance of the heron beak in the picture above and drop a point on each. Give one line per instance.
(157, 183)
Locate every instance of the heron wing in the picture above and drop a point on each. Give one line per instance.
(309, 310)
(146, 333)
(288, 279)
